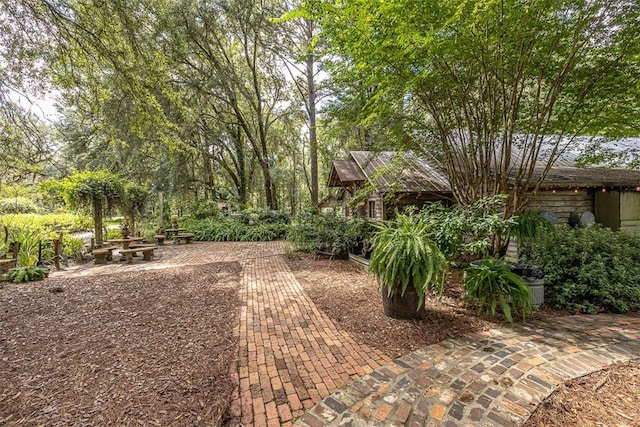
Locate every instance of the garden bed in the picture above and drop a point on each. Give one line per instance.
(150, 348)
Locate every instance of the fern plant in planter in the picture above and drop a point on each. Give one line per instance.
(491, 284)
(407, 264)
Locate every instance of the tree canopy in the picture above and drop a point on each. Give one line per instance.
(248, 101)
(493, 88)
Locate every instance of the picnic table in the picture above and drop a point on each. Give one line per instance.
(168, 231)
(125, 242)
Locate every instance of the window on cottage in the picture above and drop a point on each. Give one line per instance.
(372, 208)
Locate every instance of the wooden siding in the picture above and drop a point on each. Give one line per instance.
(619, 210)
(563, 202)
(378, 207)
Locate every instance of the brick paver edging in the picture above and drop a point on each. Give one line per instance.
(493, 378)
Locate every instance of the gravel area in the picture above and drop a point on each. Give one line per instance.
(145, 348)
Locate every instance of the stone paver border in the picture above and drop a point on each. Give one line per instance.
(494, 378)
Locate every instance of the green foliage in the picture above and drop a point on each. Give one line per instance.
(315, 232)
(205, 209)
(270, 216)
(66, 221)
(27, 274)
(134, 198)
(403, 255)
(360, 232)
(73, 247)
(590, 269)
(82, 188)
(527, 228)
(492, 284)
(466, 232)
(29, 230)
(17, 205)
(233, 229)
(113, 233)
(29, 239)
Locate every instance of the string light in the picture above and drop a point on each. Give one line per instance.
(604, 190)
(575, 190)
(553, 191)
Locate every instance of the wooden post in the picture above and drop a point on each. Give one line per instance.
(161, 201)
(57, 250)
(14, 247)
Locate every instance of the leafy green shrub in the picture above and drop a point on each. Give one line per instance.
(465, 233)
(360, 232)
(67, 221)
(590, 269)
(27, 274)
(491, 284)
(73, 247)
(268, 216)
(17, 205)
(205, 209)
(29, 239)
(232, 229)
(314, 232)
(112, 233)
(403, 255)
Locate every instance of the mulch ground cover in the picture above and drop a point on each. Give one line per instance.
(604, 398)
(352, 299)
(147, 348)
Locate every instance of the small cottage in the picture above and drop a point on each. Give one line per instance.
(392, 180)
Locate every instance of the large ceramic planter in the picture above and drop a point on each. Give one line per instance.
(402, 306)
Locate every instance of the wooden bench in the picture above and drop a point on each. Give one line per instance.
(147, 253)
(102, 255)
(160, 238)
(187, 237)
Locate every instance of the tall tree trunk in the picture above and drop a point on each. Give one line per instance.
(97, 220)
(132, 223)
(242, 167)
(311, 109)
(208, 173)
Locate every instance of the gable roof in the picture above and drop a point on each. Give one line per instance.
(401, 172)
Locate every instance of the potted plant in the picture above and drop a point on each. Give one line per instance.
(407, 264)
(124, 229)
(491, 284)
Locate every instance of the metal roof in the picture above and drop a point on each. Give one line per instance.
(590, 177)
(402, 172)
(406, 172)
(345, 172)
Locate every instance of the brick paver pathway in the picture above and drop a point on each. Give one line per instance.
(291, 355)
(494, 378)
(295, 365)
